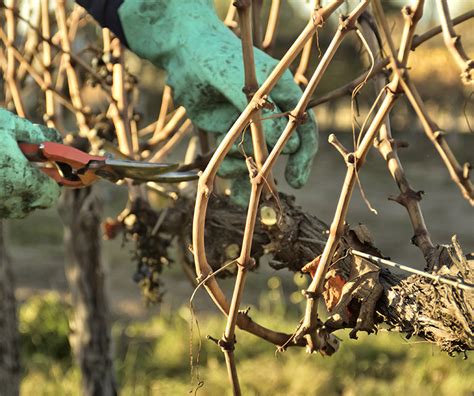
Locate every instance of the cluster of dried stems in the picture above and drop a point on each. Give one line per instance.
(44, 53)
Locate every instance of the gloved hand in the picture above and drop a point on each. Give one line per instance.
(23, 187)
(203, 59)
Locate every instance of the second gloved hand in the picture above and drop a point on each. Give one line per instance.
(23, 187)
(203, 59)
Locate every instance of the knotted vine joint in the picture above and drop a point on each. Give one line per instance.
(226, 345)
(299, 119)
(310, 295)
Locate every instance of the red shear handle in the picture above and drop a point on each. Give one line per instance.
(77, 159)
(32, 152)
(57, 152)
(54, 174)
(70, 163)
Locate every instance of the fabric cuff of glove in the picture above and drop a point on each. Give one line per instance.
(106, 13)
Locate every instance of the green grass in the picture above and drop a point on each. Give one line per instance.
(152, 358)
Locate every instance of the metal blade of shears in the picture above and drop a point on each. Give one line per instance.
(174, 177)
(113, 169)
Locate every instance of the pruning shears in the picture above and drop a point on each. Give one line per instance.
(75, 168)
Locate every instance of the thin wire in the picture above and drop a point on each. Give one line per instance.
(438, 278)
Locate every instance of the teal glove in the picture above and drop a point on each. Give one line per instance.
(23, 187)
(203, 59)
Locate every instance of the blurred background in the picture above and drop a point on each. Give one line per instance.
(152, 343)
